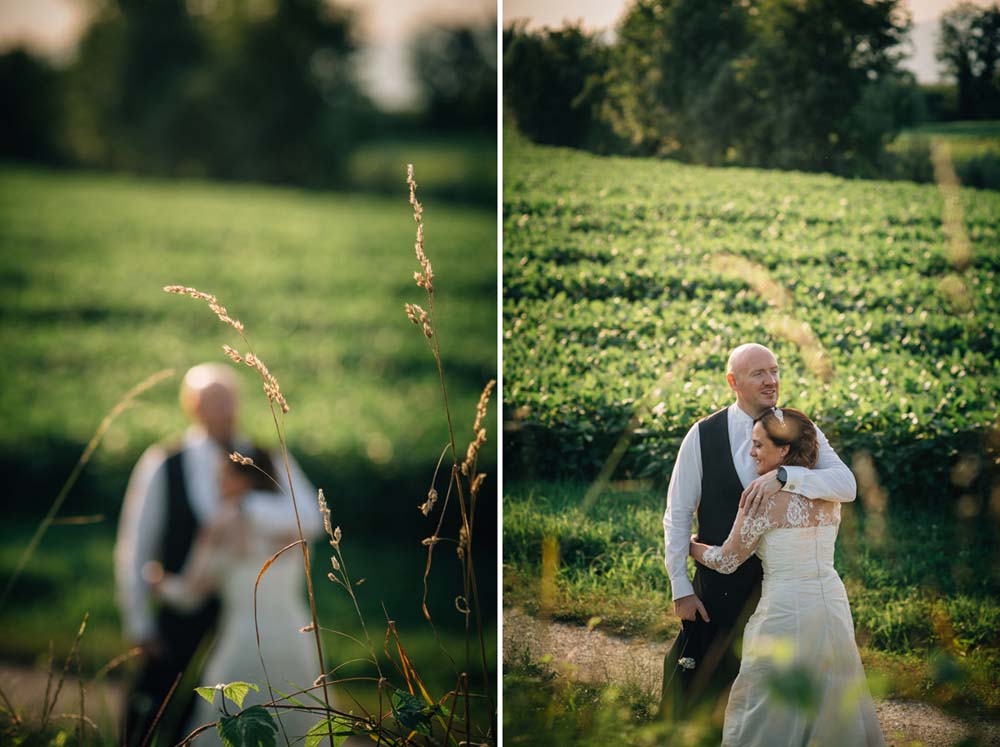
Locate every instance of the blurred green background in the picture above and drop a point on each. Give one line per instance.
(233, 147)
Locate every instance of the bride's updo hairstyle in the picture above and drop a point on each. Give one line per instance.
(786, 426)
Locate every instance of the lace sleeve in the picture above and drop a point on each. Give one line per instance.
(743, 539)
(784, 510)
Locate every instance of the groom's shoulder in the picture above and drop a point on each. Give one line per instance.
(711, 418)
(161, 451)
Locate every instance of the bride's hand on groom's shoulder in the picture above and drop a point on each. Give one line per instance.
(753, 501)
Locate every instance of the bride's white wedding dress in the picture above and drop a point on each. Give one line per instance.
(234, 559)
(801, 680)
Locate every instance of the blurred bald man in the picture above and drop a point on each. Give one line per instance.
(171, 494)
(713, 476)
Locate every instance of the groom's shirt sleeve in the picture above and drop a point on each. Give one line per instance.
(277, 517)
(830, 479)
(140, 532)
(683, 497)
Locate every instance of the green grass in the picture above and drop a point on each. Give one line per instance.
(928, 583)
(974, 147)
(460, 167)
(318, 279)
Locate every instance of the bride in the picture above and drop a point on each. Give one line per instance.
(802, 633)
(227, 556)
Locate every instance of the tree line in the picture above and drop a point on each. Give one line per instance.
(815, 85)
(235, 89)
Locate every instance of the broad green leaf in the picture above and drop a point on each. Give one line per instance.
(208, 693)
(237, 691)
(254, 727)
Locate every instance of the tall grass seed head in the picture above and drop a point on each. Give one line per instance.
(427, 506)
(324, 511)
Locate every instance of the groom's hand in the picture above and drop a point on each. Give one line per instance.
(687, 607)
(756, 494)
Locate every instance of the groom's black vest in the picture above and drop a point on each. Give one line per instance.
(728, 599)
(181, 524)
(180, 528)
(720, 500)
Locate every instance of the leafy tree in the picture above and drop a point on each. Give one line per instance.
(675, 82)
(783, 83)
(554, 86)
(247, 90)
(968, 49)
(814, 69)
(281, 101)
(29, 89)
(457, 73)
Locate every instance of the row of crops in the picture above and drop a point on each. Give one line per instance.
(628, 281)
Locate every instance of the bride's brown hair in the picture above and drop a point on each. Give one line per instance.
(786, 426)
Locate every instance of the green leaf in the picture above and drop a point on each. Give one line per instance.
(322, 730)
(254, 727)
(237, 691)
(208, 693)
(412, 713)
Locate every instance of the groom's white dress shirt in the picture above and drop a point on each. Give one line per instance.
(144, 516)
(830, 479)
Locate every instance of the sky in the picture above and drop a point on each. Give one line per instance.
(52, 26)
(597, 15)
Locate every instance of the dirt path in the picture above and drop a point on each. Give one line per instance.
(593, 656)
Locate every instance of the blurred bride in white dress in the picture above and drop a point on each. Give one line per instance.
(802, 633)
(226, 558)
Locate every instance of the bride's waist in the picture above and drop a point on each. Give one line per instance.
(801, 576)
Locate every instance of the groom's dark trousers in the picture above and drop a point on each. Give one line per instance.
(729, 599)
(181, 634)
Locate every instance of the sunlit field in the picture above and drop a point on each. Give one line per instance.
(626, 284)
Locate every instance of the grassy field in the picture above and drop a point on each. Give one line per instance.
(924, 583)
(626, 284)
(974, 147)
(319, 279)
(459, 168)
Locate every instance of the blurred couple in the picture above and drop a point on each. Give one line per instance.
(196, 529)
(766, 488)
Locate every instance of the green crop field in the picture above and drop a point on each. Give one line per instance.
(319, 280)
(626, 284)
